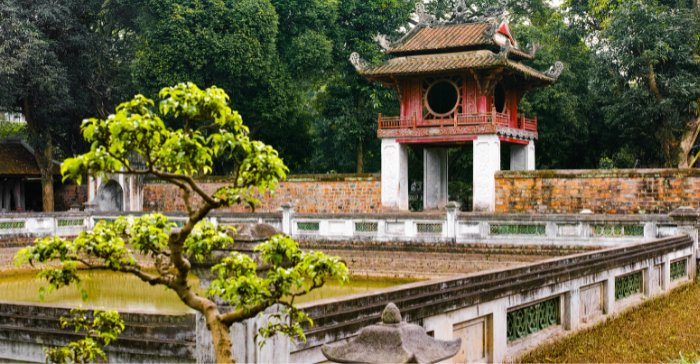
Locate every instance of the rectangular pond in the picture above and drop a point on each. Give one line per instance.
(123, 291)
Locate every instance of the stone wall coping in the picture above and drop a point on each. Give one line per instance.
(53, 306)
(602, 218)
(432, 215)
(601, 173)
(437, 215)
(337, 177)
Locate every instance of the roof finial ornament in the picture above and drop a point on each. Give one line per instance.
(358, 62)
(505, 50)
(424, 18)
(496, 10)
(555, 71)
(533, 49)
(382, 40)
(459, 11)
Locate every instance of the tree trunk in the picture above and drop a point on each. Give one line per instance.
(360, 160)
(44, 157)
(688, 140)
(221, 336)
(669, 145)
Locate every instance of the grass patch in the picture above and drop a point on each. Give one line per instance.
(655, 331)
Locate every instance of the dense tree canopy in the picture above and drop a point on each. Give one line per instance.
(60, 61)
(285, 64)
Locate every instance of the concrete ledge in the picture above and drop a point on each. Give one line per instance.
(601, 173)
(336, 177)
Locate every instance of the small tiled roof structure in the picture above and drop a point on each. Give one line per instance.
(463, 43)
(455, 38)
(459, 61)
(17, 159)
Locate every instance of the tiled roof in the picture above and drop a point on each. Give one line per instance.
(435, 63)
(443, 37)
(17, 159)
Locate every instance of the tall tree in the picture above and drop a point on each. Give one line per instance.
(648, 72)
(346, 104)
(49, 63)
(174, 155)
(266, 53)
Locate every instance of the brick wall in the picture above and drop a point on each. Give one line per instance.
(626, 191)
(326, 193)
(66, 195)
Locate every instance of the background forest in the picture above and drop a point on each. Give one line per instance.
(629, 95)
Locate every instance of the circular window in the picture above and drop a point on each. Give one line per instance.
(442, 98)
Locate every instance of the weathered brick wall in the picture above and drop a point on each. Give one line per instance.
(325, 193)
(626, 191)
(66, 195)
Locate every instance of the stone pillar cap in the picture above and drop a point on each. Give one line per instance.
(452, 205)
(392, 342)
(684, 214)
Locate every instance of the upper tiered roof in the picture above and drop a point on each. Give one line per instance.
(478, 42)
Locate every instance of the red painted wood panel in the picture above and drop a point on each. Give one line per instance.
(514, 141)
(435, 140)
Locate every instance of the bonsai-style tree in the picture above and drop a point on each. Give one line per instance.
(174, 156)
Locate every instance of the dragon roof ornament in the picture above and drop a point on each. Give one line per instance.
(462, 14)
(555, 71)
(358, 62)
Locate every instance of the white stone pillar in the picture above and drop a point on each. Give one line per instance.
(531, 156)
(394, 175)
(522, 157)
(434, 178)
(572, 301)
(686, 218)
(518, 157)
(487, 160)
(452, 211)
(287, 211)
(609, 295)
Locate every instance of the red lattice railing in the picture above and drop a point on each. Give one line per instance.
(397, 122)
(413, 121)
(474, 118)
(529, 124)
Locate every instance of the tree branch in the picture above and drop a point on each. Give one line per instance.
(230, 317)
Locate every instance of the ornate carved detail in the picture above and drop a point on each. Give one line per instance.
(461, 14)
(383, 41)
(424, 18)
(496, 10)
(533, 49)
(516, 133)
(555, 70)
(487, 80)
(531, 319)
(358, 62)
(505, 50)
(438, 131)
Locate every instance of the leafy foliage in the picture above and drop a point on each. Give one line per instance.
(106, 326)
(648, 72)
(174, 156)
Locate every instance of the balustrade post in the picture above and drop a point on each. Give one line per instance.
(455, 119)
(522, 121)
(380, 121)
(415, 119)
(493, 114)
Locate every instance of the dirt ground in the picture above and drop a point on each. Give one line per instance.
(659, 330)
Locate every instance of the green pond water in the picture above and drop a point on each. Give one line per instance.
(120, 291)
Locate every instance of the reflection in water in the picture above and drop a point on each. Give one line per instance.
(122, 291)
